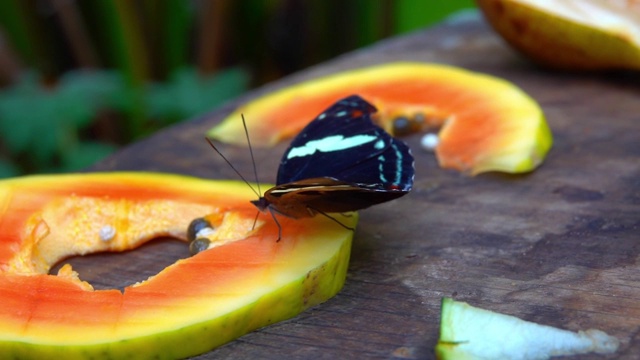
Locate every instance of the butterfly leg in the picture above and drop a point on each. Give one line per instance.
(273, 215)
(255, 220)
(332, 218)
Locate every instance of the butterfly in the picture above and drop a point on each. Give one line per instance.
(340, 162)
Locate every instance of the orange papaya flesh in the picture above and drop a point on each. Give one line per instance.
(487, 124)
(191, 306)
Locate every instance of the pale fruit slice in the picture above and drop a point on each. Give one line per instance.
(570, 34)
(469, 333)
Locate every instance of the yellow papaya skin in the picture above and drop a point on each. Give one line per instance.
(244, 281)
(569, 35)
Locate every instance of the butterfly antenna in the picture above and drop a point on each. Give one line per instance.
(255, 170)
(232, 167)
(253, 160)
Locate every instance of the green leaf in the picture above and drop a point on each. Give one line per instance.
(413, 14)
(188, 93)
(8, 169)
(80, 95)
(86, 154)
(23, 114)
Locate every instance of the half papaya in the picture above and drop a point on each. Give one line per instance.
(190, 307)
(486, 123)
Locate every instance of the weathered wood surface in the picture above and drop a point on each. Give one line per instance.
(559, 246)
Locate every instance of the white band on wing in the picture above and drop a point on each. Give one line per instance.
(330, 143)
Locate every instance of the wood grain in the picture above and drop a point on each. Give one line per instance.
(559, 246)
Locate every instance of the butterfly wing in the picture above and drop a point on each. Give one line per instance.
(344, 144)
(307, 197)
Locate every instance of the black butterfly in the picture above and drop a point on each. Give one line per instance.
(340, 162)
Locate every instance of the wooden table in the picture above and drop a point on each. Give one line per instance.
(559, 246)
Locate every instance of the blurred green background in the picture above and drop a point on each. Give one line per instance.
(78, 79)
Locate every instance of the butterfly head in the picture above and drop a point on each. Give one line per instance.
(261, 203)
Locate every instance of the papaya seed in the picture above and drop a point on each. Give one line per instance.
(107, 233)
(199, 245)
(401, 126)
(195, 227)
(430, 141)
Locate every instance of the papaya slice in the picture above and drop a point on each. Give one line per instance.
(486, 123)
(245, 280)
(570, 34)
